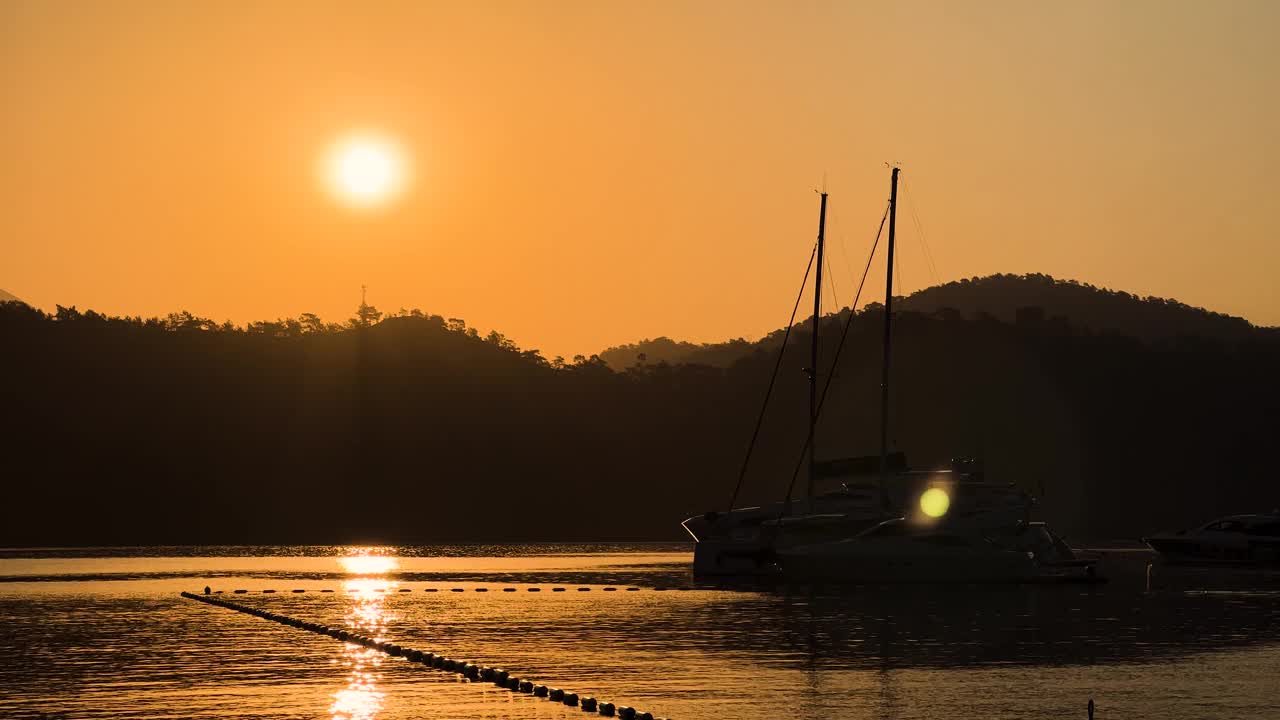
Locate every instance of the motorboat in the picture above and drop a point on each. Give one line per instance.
(1236, 539)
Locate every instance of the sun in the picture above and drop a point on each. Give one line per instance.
(365, 170)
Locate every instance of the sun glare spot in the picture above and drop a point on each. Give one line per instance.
(935, 502)
(368, 564)
(365, 170)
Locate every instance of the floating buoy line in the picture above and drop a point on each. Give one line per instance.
(270, 591)
(467, 669)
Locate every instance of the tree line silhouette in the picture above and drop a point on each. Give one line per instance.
(412, 427)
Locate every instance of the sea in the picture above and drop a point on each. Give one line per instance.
(105, 633)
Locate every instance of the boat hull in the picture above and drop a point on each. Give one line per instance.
(873, 568)
(1192, 549)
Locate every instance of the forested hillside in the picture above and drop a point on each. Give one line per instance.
(416, 428)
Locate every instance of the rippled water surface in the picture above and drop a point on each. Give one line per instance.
(103, 633)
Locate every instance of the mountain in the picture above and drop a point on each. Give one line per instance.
(1009, 298)
(8, 297)
(1080, 304)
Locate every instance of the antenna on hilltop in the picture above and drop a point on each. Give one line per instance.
(364, 290)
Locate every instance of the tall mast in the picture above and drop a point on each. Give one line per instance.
(813, 362)
(888, 343)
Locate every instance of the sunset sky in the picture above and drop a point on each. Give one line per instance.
(582, 174)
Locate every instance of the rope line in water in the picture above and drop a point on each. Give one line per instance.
(467, 669)
(610, 588)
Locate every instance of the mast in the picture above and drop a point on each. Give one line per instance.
(813, 362)
(888, 344)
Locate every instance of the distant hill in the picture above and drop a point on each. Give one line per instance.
(9, 297)
(1082, 305)
(665, 350)
(1008, 298)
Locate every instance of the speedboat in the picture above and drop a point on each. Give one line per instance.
(1236, 539)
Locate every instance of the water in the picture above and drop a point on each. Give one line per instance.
(102, 633)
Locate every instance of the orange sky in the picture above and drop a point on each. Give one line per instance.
(591, 173)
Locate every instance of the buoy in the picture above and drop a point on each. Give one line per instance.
(535, 589)
(584, 589)
(611, 589)
(299, 591)
(497, 676)
(240, 592)
(459, 590)
(268, 591)
(328, 590)
(405, 590)
(508, 589)
(430, 589)
(633, 589)
(482, 589)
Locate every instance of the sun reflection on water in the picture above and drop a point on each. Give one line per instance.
(365, 564)
(361, 699)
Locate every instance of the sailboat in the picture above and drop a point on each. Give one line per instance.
(836, 531)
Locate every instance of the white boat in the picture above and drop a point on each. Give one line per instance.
(1236, 539)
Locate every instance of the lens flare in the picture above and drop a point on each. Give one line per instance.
(935, 502)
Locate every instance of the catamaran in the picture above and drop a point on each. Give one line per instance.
(840, 533)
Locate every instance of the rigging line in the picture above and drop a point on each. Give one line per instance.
(924, 240)
(844, 333)
(831, 281)
(746, 461)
